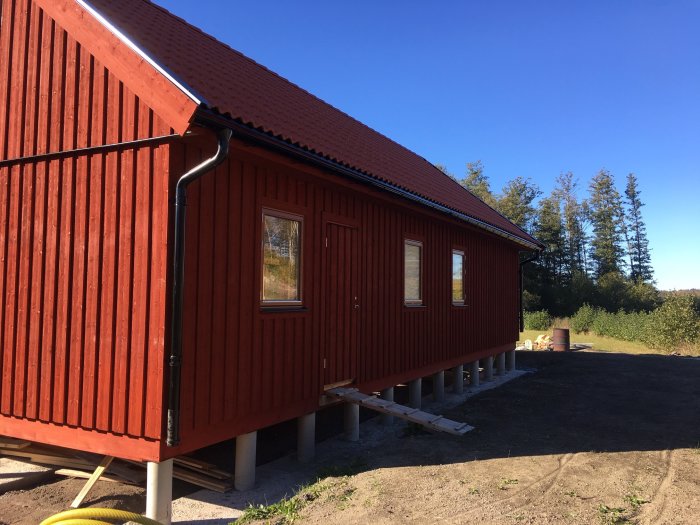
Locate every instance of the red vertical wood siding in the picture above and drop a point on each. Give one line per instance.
(83, 242)
(245, 367)
(84, 269)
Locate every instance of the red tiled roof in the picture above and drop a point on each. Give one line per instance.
(235, 86)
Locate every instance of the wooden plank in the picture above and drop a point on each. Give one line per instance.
(221, 252)
(159, 290)
(95, 85)
(109, 262)
(12, 443)
(91, 481)
(47, 459)
(205, 284)
(202, 466)
(141, 252)
(7, 20)
(82, 120)
(155, 89)
(189, 329)
(81, 474)
(233, 283)
(11, 264)
(125, 268)
(202, 481)
(414, 415)
(26, 238)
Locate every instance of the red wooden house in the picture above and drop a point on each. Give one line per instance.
(314, 251)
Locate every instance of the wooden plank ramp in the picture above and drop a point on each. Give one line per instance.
(414, 415)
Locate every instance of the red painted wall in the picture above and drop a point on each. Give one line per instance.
(84, 271)
(246, 367)
(83, 241)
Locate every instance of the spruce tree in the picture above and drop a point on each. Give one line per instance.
(640, 258)
(574, 217)
(605, 207)
(549, 229)
(444, 169)
(478, 183)
(517, 202)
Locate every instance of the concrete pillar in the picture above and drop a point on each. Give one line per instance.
(501, 364)
(439, 386)
(488, 369)
(352, 422)
(511, 361)
(474, 374)
(388, 395)
(306, 437)
(415, 392)
(246, 448)
(159, 491)
(458, 379)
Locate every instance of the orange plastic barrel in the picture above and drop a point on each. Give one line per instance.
(560, 339)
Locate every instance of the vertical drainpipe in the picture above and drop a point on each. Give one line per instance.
(523, 263)
(175, 359)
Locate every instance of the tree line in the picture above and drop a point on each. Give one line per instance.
(596, 247)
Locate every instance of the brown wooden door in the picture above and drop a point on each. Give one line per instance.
(341, 303)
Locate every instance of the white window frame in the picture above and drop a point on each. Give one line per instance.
(419, 244)
(463, 301)
(278, 214)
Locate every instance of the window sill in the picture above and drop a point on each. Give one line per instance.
(414, 306)
(283, 309)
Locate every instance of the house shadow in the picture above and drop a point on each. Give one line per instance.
(571, 402)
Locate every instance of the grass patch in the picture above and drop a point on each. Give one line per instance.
(600, 343)
(287, 510)
(505, 483)
(611, 515)
(339, 471)
(635, 501)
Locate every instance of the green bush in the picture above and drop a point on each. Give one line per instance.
(582, 320)
(621, 325)
(539, 320)
(675, 322)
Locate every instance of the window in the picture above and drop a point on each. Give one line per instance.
(281, 254)
(413, 269)
(457, 277)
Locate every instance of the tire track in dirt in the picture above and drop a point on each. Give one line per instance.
(548, 482)
(653, 512)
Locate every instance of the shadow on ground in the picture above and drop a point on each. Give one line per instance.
(580, 402)
(570, 403)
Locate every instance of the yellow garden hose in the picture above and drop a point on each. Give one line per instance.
(87, 517)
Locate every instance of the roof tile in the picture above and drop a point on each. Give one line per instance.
(241, 89)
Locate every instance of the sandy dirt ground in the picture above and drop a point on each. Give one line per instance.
(587, 438)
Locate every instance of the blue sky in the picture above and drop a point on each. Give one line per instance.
(530, 88)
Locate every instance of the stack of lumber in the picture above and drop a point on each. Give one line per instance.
(69, 462)
(76, 464)
(202, 474)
